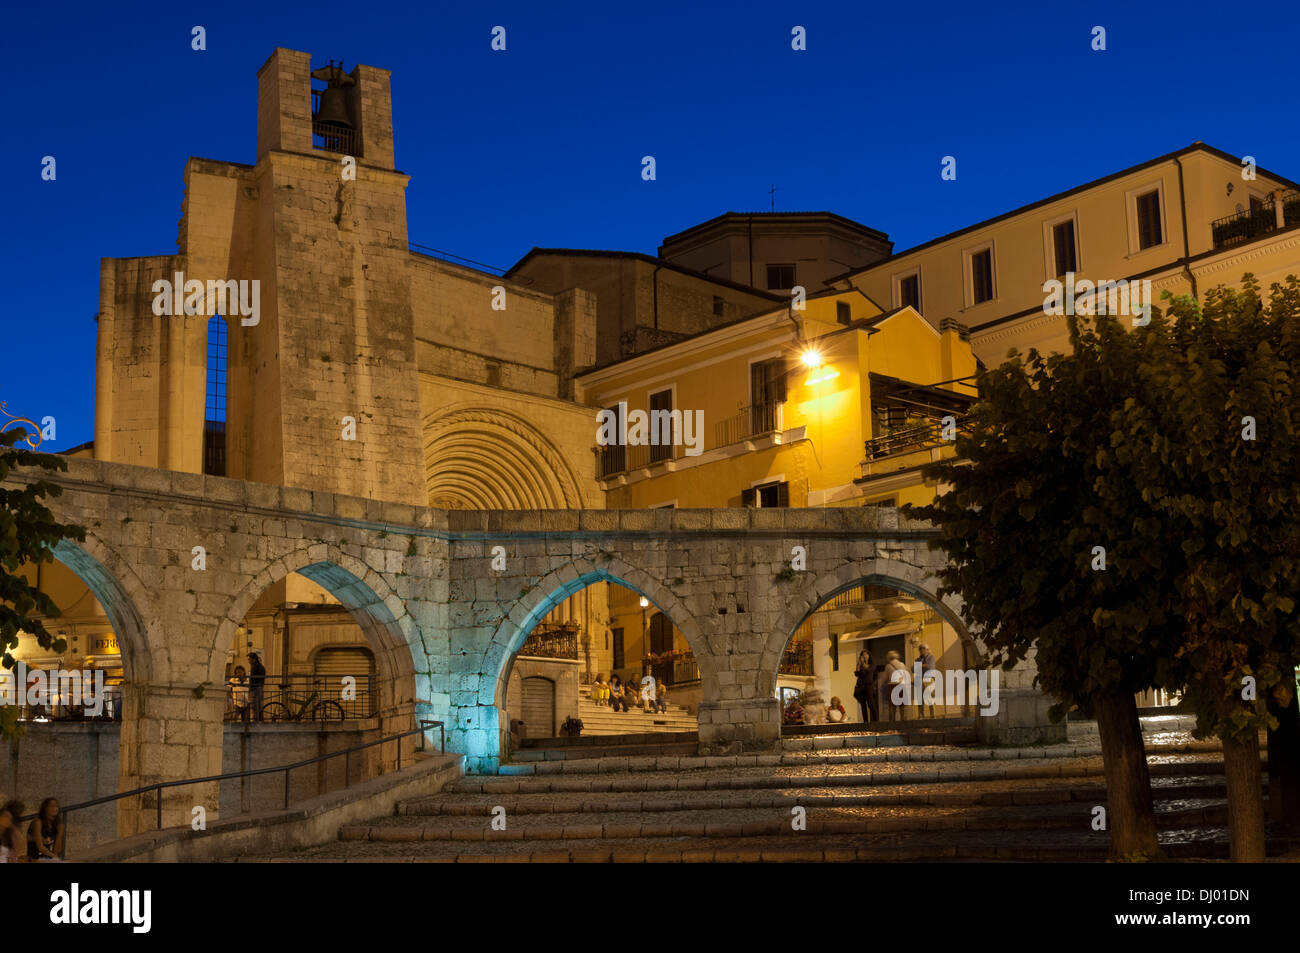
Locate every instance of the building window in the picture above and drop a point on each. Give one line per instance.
(717, 306)
(661, 634)
(909, 291)
(613, 457)
(214, 414)
(766, 495)
(843, 313)
(663, 434)
(1064, 249)
(981, 276)
(766, 394)
(618, 648)
(780, 277)
(1148, 219)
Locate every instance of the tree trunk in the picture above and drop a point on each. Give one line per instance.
(1245, 798)
(1131, 817)
(1284, 766)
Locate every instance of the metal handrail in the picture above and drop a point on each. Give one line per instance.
(286, 768)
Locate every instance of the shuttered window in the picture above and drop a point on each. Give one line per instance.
(981, 275)
(1148, 216)
(1064, 247)
(538, 703)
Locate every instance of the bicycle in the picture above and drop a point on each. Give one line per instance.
(308, 709)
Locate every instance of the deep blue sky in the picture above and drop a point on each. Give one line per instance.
(541, 145)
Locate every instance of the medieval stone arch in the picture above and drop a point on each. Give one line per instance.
(121, 594)
(376, 608)
(825, 585)
(570, 577)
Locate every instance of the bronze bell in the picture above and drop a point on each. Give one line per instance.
(333, 110)
(333, 107)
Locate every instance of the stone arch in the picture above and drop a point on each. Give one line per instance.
(576, 574)
(114, 583)
(381, 614)
(885, 572)
(486, 458)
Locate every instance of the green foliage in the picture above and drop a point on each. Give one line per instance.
(1230, 504)
(1020, 523)
(1134, 442)
(28, 535)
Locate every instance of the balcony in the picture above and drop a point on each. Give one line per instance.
(752, 421)
(1275, 213)
(674, 668)
(797, 659)
(749, 423)
(552, 640)
(910, 439)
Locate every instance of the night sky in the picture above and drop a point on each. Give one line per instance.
(542, 144)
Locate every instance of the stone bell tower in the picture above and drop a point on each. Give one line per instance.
(320, 387)
(339, 346)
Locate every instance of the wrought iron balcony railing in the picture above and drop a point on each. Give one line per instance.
(797, 658)
(752, 421)
(550, 640)
(1244, 226)
(909, 439)
(1278, 211)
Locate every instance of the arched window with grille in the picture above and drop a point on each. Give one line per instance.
(214, 414)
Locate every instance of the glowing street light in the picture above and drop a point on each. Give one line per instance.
(812, 359)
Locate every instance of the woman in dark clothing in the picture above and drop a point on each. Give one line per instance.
(865, 688)
(45, 835)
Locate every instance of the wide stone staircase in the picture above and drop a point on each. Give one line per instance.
(878, 796)
(602, 720)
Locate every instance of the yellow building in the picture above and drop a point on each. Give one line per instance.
(836, 403)
(1185, 221)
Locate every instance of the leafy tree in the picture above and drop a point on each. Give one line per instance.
(1045, 566)
(28, 535)
(1217, 455)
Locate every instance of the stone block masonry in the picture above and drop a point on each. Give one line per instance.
(443, 624)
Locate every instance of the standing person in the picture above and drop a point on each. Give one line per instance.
(648, 690)
(864, 690)
(891, 672)
(45, 833)
(11, 839)
(239, 694)
(256, 683)
(929, 672)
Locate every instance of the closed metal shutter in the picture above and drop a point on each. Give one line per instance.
(349, 660)
(538, 702)
(329, 667)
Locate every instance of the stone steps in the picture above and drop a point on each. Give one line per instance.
(940, 846)
(602, 720)
(761, 822)
(859, 749)
(884, 803)
(862, 793)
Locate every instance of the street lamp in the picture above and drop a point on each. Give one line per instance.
(645, 634)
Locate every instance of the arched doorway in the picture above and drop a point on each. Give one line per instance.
(75, 721)
(881, 625)
(337, 669)
(583, 661)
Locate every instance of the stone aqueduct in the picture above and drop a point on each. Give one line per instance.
(443, 624)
